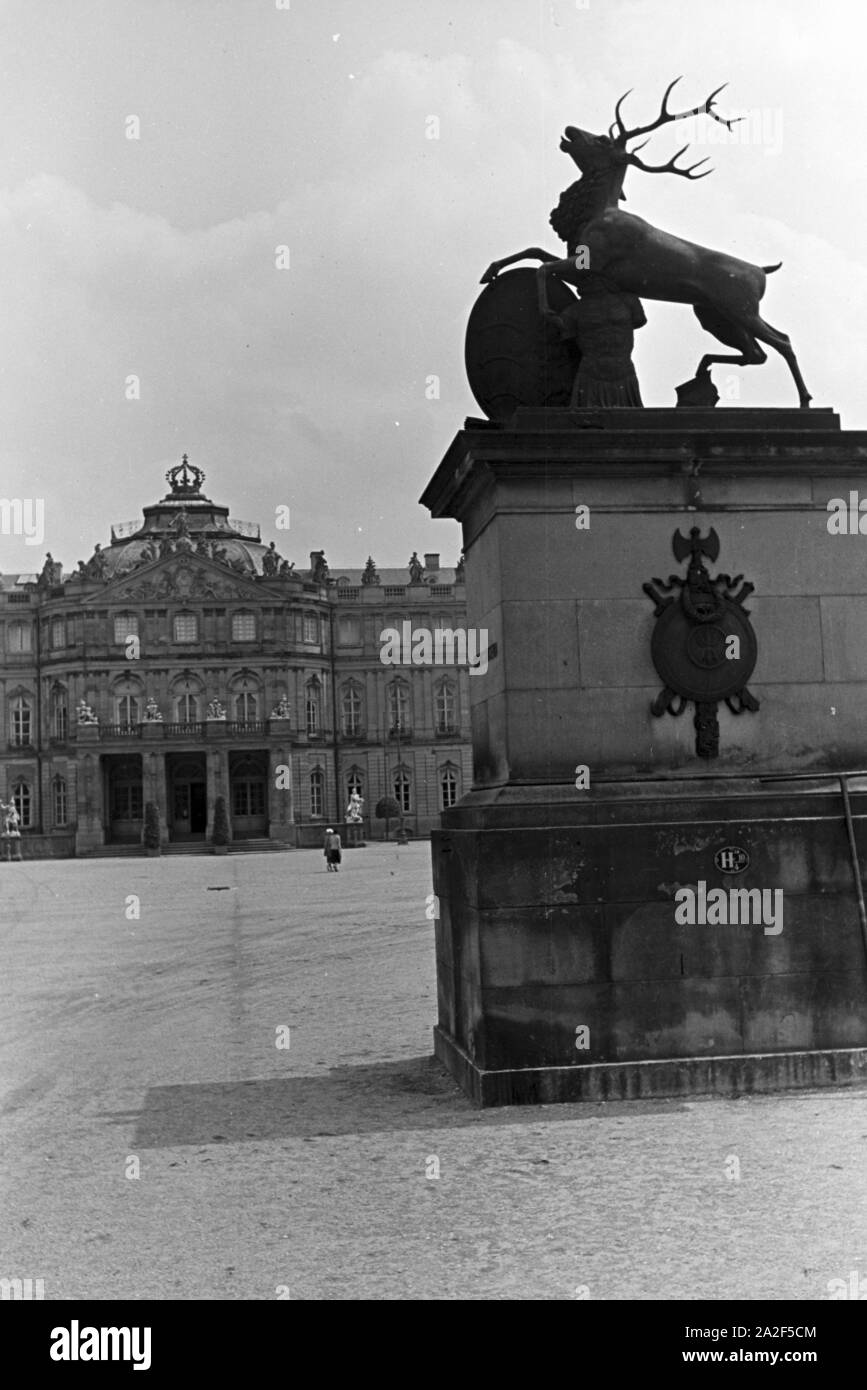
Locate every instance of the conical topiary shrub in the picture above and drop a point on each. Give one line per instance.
(152, 827)
(220, 832)
(386, 809)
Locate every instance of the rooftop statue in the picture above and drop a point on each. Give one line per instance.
(632, 258)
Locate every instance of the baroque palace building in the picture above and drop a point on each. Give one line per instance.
(188, 661)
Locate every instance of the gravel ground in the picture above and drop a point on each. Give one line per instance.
(149, 1045)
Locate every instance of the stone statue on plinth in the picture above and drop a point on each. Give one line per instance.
(85, 714)
(633, 259)
(354, 818)
(11, 833)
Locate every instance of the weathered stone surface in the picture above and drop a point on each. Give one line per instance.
(561, 900)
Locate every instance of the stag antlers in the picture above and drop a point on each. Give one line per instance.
(618, 132)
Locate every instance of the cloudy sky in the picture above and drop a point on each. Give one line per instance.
(305, 125)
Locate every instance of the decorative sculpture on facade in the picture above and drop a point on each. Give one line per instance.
(631, 258)
(355, 809)
(85, 714)
(370, 575)
(52, 573)
(96, 565)
(215, 710)
(282, 709)
(271, 561)
(318, 567)
(11, 832)
(416, 569)
(152, 713)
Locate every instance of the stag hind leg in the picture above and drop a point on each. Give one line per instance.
(734, 334)
(775, 339)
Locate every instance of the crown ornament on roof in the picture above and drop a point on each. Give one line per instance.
(185, 479)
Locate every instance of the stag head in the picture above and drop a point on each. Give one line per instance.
(595, 154)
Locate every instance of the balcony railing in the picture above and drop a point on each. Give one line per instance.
(185, 729)
(242, 728)
(118, 730)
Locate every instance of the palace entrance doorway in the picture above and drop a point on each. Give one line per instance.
(186, 785)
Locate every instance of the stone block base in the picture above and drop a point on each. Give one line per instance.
(567, 971)
(665, 1079)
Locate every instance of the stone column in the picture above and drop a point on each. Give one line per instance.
(89, 829)
(154, 786)
(281, 819)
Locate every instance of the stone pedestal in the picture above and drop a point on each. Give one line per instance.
(563, 971)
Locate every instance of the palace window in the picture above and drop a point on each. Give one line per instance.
(402, 789)
(127, 801)
(243, 626)
(186, 627)
(22, 798)
(351, 709)
(445, 708)
(354, 783)
(312, 700)
(58, 632)
(349, 632)
(310, 628)
(59, 801)
(246, 706)
(448, 788)
(21, 722)
(59, 714)
(248, 797)
(125, 625)
(317, 791)
(20, 637)
(187, 708)
(398, 707)
(127, 710)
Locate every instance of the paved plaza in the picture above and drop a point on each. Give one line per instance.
(148, 1044)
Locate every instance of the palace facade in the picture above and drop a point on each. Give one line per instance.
(187, 661)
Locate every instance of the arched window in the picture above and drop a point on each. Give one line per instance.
(402, 788)
(448, 787)
(59, 713)
(127, 709)
(351, 701)
(20, 637)
(21, 722)
(354, 782)
(125, 625)
(22, 798)
(398, 707)
(446, 706)
(244, 626)
(186, 627)
(317, 791)
(313, 705)
(59, 801)
(187, 708)
(246, 707)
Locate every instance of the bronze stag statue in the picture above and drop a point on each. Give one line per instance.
(633, 258)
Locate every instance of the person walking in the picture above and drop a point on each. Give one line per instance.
(332, 851)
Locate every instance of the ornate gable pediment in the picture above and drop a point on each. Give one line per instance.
(179, 578)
